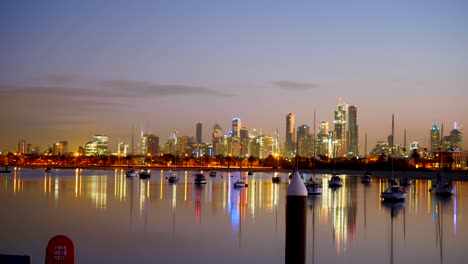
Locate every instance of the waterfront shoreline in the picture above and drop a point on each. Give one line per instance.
(426, 175)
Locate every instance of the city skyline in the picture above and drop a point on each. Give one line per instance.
(72, 70)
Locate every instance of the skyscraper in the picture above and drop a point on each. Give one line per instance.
(199, 133)
(340, 130)
(435, 137)
(353, 146)
(236, 126)
(289, 144)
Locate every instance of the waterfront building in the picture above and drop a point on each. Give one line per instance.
(435, 137)
(262, 146)
(353, 146)
(97, 147)
(454, 141)
(218, 141)
(245, 140)
(122, 149)
(236, 126)
(60, 148)
(303, 142)
(199, 133)
(340, 130)
(152, 144)
(323, 140)
(381, 147)
(289, 144)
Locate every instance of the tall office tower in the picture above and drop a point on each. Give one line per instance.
(303, 131)
(199, 133)
(353, 146)
(289, 145)
(152, 144)
(303, 140)
(340, 130)
(60, 148)
(435, 137)
(236, 126)
(245, 141)
(97, 147)
(454, 141)
(217, 140)
(22, 146)
(323, 139)
(122, 149)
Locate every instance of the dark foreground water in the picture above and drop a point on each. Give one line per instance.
(113, 219)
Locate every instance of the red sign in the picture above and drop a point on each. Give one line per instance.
(60, 249)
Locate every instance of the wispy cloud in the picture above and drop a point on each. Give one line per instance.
(295, 86)
(111, 89)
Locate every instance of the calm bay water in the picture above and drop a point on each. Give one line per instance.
(114, 219)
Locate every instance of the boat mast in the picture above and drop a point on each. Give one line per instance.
(315, 154)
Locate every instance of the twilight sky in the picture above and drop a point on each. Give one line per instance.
(71, 69)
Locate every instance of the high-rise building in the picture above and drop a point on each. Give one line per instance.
(289, 144)
(353, 146)
(218, 142)
(97, 147)
(60, 148)
(122, 149)
(303, 140)
(245, 140)
(199, 133)
(236, 126)
(152, 144)
(22, 146)
(323, 140)
(454, 141)
(340, 130)
(435, 137)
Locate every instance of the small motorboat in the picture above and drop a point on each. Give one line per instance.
(335, 181)
(131, 172)
(213, 173)
(48, 169)
(313, 186)
(200, 179)
(145, 173)
(366, 178)
(276, 179)
(250, 173)
(173, 178)
(394, 193)
(240, 184)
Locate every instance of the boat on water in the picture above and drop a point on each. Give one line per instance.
(145, 173)
(367, 177)
(131, 172)
(250, 173)
(240, 184)
(313, 186)
(394, 193)
(335, 181)
(213, 173)
(276, 178)
(173, 177)
(48, 169)
(406, 181)
(200, 179)
(442, 187)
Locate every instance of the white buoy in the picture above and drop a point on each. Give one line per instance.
(296, 221)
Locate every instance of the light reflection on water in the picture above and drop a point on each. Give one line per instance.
(114, 219)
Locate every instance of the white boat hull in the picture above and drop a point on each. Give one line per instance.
(393, 194)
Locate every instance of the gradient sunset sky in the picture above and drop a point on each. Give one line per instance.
(71, 69)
